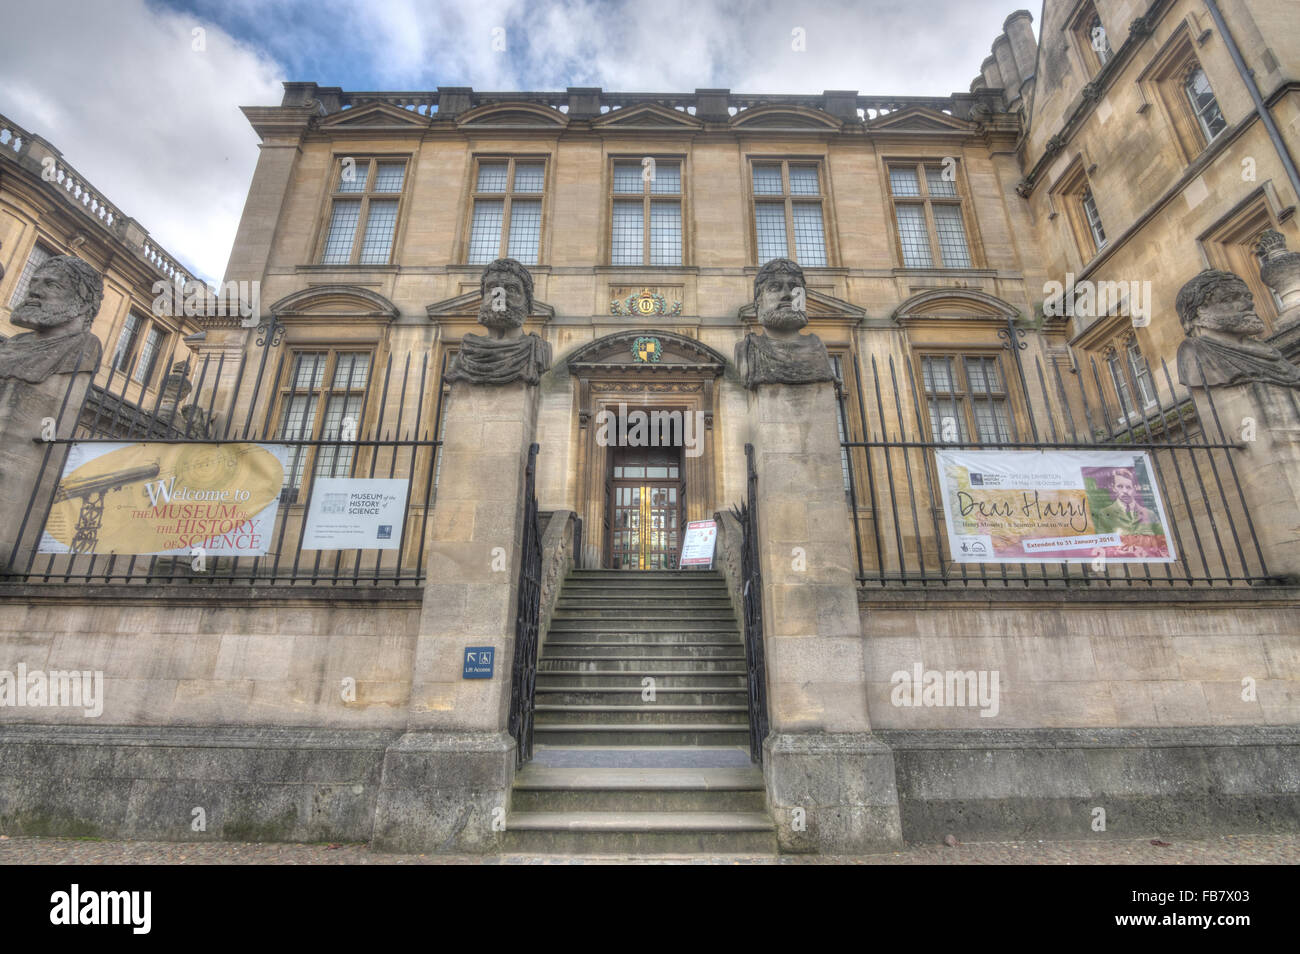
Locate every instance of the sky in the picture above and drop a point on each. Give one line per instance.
(142, 97)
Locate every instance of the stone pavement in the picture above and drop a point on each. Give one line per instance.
(1263, 849)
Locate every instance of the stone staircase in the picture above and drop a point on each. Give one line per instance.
(613, 771)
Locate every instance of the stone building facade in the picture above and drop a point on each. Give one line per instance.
(671, 247)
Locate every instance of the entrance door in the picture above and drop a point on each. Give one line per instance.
(645, 508)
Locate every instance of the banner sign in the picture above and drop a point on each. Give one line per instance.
(355, 514)
(697, 547)
(1052, 507)
(166, 499)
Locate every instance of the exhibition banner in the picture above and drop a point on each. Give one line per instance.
(1052, 507)
(349, 513)
(166, 499)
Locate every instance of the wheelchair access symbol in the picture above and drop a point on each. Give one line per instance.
(479, 662)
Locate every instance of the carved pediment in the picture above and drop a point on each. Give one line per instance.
(818, 305)
(520, 114)
(373, 115)
(646, 350)
(955, 303)
(919, 119)
(784, 117)
(467, 305)
(648, 114)
(343, 301)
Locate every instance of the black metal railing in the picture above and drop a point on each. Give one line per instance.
(894, 488)
(523, 672)
(376, 427)
(752, 595)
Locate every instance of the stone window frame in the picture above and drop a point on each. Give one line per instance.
(127, 364)
(1229, 244)
(303, 460)
(334, 194)
(683, 198)
(920, 165)
(1162, 83)
(1079, 25)
(1072, 187)
(787, 200)
(474, 196)
(1119, 351)
(1009, 396)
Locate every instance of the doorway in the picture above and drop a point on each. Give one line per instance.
(646, 508)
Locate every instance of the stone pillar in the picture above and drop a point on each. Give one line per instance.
(826, 774)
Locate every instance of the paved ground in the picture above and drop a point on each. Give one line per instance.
(1273, 849)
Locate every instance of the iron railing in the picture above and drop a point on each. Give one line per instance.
(894, 491)
(746, 514)
(523, 672)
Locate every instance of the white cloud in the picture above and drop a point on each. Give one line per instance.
(153, 124)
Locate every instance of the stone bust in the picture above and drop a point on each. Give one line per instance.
(62, 301)
(1217, 312)
(505, 354)
(782, 355)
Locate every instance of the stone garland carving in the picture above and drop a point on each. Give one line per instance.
(506, 354)
(62, 300)
(1217, 312)
(781, 355)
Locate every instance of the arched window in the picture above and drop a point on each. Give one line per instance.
(1206, 107)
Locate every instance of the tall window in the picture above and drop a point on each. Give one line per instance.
(363, 211)
(1099, 41)
(38, 257)
(1093, 218)
(140, 345)
(1091, 38)
(1131, 375)
(507, 216)
(322, 399)
(927, 212)
(646, 230)
(788, 219)
(1197, 87)
(966, 394)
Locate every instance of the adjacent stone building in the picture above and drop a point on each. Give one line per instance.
(814, 297)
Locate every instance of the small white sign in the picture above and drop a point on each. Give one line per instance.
(697, 548)
(350, 513)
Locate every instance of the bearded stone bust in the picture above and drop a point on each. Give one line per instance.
(62, 301)
(1217, 312)
(505, 354)
(782, 355)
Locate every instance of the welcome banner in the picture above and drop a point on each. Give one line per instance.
(1052, 507)
(166, 499)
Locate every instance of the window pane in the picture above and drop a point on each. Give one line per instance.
(350, 370)
(952, 236)
(992, 422)
(1099, 41)
(938, 185)
(485, 232)
(628, 235)
(1121, 384)
(803, 180)
(308, 370)
(38, 257)
(377, 244)
(1094, 219)
(947, 423)
(769, 219)
(937, 375)
(665, 233)
(491, 177)
(337, 461)
(525, 229)
(767, 180)
(982, 376)
(530, 176)
(389, 176)
(352, 177)
(627, 177)
(667, 180)
(1199, 92)
(126, 342)
(1141, 374)
(902, 181)
(912, 236)
(809, 237)
(343, 226)
(148, 356)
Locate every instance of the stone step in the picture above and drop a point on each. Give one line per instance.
(648, 714)
(612, 663)
(548, 681)
(580, 789)
(682, 601)
(589, 638)
(564, 649)
(606, 734)
(640, 832)
(644, 625)
(632, 696)
(675, 611)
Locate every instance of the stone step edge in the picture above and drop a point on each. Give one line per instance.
(640, 821)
